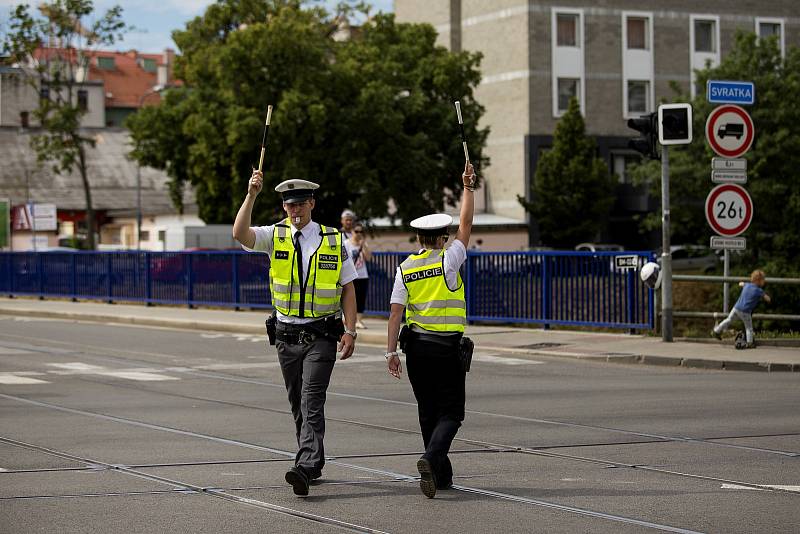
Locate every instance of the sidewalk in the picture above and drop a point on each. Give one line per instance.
(500, 339)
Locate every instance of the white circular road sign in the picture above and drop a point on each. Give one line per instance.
(729, 131)
(729, 209)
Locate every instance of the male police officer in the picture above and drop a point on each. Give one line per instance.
(429, 288)
(310, 280)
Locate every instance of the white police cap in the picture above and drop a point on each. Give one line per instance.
(434, 224)
(296, 190)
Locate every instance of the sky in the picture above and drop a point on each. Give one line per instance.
(155, 19)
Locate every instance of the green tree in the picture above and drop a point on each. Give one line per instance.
(370, 118)
(573, 189)
(772, 162)
(52, 51)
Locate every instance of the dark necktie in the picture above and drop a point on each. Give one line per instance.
(298, 252)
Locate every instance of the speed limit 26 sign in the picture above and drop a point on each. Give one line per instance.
(729, 209)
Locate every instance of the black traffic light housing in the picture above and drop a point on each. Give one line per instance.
(675, 124)
(647, 143)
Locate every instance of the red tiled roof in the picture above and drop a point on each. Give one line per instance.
(127, 82)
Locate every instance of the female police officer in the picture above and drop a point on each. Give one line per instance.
(429, 288)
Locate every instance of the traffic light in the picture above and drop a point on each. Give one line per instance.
(646, 144)
(676, 124)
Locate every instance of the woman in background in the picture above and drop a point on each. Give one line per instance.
(360, 254)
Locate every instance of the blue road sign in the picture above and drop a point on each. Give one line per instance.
(725, 92)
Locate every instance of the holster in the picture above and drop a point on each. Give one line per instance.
(465, 348)
(272, 325)
(334, 326)
(403, 337)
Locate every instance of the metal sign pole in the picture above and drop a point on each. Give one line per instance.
(666, 256)
(726, 287)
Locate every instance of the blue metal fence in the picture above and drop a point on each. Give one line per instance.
(551, 288)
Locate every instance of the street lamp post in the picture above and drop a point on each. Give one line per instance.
(155, 89)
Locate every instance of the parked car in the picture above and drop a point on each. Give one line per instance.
(598, 247)
(602, 247)
(693, 258)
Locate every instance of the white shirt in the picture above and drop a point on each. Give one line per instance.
(454, 257)
(360, 264)
(310, 240)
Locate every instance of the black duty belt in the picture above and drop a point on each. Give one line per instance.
(300, 334)
(450, 340)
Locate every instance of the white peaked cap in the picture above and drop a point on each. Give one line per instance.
(295, 190)
(428, 224)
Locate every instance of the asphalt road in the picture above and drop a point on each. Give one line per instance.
(109, 428)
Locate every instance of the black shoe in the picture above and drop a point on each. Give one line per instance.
(296, 476)
(427, 479)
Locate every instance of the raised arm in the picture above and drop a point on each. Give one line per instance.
(467, 205)
(241, 226)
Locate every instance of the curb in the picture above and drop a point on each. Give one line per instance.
(374, 338)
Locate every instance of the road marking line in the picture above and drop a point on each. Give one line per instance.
(77, 367)
(140, 374)
(504, 360)
(12, 379)
(221, 366)
(137, 375)
(762, 488)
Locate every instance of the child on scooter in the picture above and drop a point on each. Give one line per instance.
(752, 294)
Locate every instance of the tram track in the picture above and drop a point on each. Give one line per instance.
(485, 446)
(182, 486)
(281, 509)
(332, 392)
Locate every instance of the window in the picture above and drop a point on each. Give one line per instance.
(622, 164)
(162, 235)
(705, 36)
(44, 93)
(149, 65)
(83, 99)
(568, 88)
(638, 92)
(24, 119)
(637, 33)
(106, 63)
(567, 29)
(768, 29)
(144, 235)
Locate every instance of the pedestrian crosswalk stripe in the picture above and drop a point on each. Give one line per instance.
(138, 375)
(762, 487)
(12, 379)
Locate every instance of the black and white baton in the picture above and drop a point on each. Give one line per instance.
(264, 138)
(463, 135)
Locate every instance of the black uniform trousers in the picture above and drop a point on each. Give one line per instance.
(307, 369)
(438, 381)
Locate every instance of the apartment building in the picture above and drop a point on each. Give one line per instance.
(617, 57)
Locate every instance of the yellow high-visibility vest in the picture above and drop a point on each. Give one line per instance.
(432, 305)
(322, 293)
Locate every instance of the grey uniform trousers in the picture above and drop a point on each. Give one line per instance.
(307, 369)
